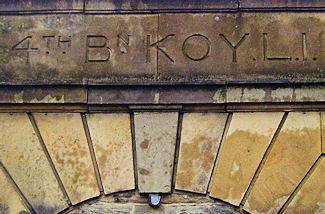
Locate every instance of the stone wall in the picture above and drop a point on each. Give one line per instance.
(260, 162)
(216, 105)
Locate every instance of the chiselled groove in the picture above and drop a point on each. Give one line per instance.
(134, 149)
(17, 189)
(148, 51)
(266, 154)
(321, 134)
(304, 47)
(178, 140)
(302, 182)
(92, 154)
(47, 154)
(219, 149)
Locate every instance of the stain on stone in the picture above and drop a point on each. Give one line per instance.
(284, 167)
(158, 158)
(245, 144)
(145, 144)
(27, 163)
(311, 197)
(65, 139)
(201, 136)
(111, 137)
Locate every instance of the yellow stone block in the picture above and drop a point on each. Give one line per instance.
(294, 152)
(66, 141)
(112, 140)
(22, 155)
(311, 197)
(200, 140)
(247, 139)
(10, 201)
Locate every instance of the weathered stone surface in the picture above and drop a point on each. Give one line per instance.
(129, 54)
(294, 152)
(323, 131)
(40, 6)
(157, 95)
(134, 6)
(200, 208)
(65, 139)
(236, 47)
(200, 141)
(10, 201)
(241, 47)
(74, 48)
(273, 93)
(120, 5)
(281, 4)
(22, 155)
(246, 141)
(197, 5)
(111, 137)
(311, 197)
(42, 48)
(49, 94)
(146, 209)
(155, 137)
(104, 208)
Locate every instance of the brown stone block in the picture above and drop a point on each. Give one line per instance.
(42, 48)
(200, 208)
(127, 54)
(156, 94)
(120, 5)
(202, 4)
(39, 6)
(243, 47)
(169, 5)
(281, 4)
(47, 94)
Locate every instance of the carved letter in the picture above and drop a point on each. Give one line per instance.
(123, 43)
(67, 41)
(265, 47)
(196, 41)
(234, 47)
(48, 40)
(19, 47)
(157, 46)
(89, 46)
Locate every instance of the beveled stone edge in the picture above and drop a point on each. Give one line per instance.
(237, 6)
(164, 94)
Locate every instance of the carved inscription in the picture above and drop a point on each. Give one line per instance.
(97, 42)
(199, 42)
(195, 47)
(25, 45)
(234, 47)
(159, 49)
